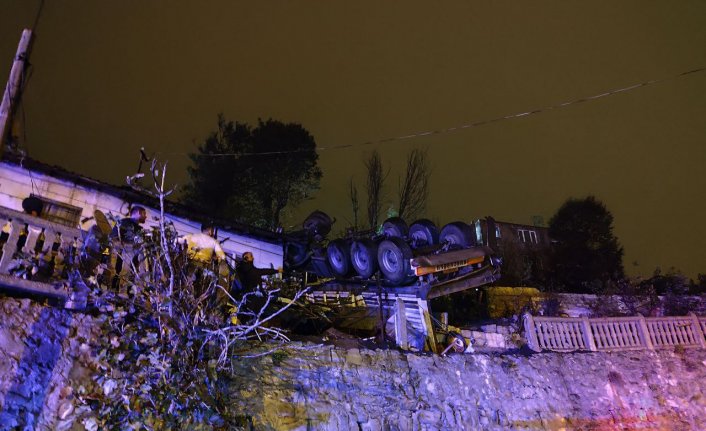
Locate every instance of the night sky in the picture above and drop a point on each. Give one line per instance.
(113, 76)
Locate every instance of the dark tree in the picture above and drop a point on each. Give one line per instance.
(587, 256)
(253, 174)
(414, 188)
(355, 205)
(375, 181)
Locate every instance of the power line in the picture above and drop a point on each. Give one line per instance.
(460, 127)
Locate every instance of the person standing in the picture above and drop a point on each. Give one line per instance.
(127, 229)
(251, 277)
(202, 247)
(126, 232)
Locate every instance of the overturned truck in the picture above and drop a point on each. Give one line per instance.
(395, 270)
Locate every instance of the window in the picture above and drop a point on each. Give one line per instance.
(525, 235)
(59, 212)
(533, 236)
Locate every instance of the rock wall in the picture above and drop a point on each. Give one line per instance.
(38, 350)
(330, 389)
(509, 301)
(309, 387)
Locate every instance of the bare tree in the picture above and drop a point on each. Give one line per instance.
(414, 189)
(376, 179)
(355, 204)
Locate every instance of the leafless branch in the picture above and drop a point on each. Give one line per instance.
(375, 181)
(414, 188)
(355, 205)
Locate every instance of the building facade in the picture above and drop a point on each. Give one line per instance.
(71, 199)
(525, 249)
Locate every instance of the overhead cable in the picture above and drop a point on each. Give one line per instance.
(461, 127)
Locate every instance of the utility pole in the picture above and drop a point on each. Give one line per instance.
(13, 90)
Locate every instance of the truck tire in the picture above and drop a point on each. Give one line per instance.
(318, 223)
(423, 233)
(457, 233)
(395, 227)
(364, 255)
(296, 255)
(393, 257)
(338, 256)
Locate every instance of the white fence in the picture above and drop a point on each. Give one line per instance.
(614, 333)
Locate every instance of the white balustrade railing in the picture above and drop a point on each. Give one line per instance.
(614, 333)
(49, 247)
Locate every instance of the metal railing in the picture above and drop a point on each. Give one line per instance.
(614, 333)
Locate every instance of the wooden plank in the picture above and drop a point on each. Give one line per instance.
(602, 343)
(684, 332)
(697, 329)
(654, 333)
(551, 335)
(666, 335)
(681, 335)
(619, 342)
(632, 334)
(544, 335)
(531, 333)
(610, 343)
(635, 334)
(559, 332)
(429, 328)
(401, 336)
(588, 335)
(661, 336)
(569, 328)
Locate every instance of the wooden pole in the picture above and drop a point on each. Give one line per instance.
(13, 90)
(381, 313)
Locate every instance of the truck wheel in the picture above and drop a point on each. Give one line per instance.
(393, 257)
(318, 223)
(338, 255)
(395, 227)
(423, 232)
(457, 233)
(296, 255)
(364, 257)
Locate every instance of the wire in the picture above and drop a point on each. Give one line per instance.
(38, 16)
(456, 128)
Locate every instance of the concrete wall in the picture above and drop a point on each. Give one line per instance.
(17, 183)
(311, 387)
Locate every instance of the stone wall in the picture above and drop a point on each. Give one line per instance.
(310, 387)
(330, 389)
(508, 301)
(39, 346)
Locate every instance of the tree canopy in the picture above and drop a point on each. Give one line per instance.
(253, 174)
(587, 253)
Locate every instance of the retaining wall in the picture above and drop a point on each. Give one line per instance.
(325, 388)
